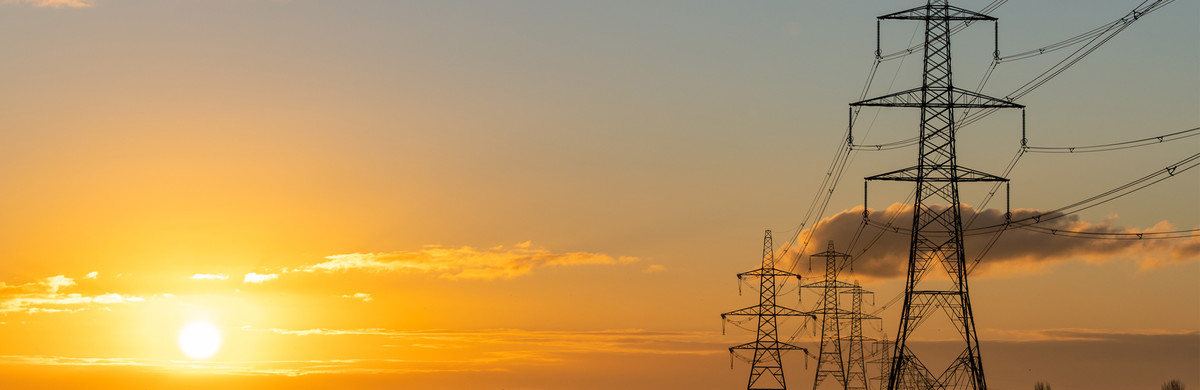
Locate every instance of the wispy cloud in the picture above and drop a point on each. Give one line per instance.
(360, 296)
(44, 296)
(92, 275)
(462, 263)
(611, 341)
(48, 285)
(54, 3)
(290, 368)
(1075, 334)
(1018, 251)
(259, 278)
(484, 350)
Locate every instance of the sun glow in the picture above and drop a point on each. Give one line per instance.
(199, 340)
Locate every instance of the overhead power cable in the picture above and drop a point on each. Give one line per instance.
(953, 30)
(1192, 132)
(1129, 18)
(1093, 41)
(1114, 235)
(1074, 58)
(1093, 201)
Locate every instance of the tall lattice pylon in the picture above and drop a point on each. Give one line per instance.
(766, 367)
(937, 233)
(856, 360)
(830, 363)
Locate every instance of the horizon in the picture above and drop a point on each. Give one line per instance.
(558, 195)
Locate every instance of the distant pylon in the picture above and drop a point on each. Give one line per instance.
(883, 353)
(766, 368)
(830, 362)
(856, 364)
(937, 232)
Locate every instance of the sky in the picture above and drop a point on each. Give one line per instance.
(553, 194)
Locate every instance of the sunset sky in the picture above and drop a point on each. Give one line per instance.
(550, 194)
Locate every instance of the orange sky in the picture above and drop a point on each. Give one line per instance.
(542, 195)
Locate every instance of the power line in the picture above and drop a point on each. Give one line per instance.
(1093, 201)
(1112, 235)
(1107, 32)
(1192, 132)
(953, 30)
(1132, 16)
(936, 176)
(766, 367)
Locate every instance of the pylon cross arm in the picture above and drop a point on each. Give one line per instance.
(767, 272)
(927, 12)
(835, 284)
(777, 345)
(914, 98)
(760, 310)
(962, 174)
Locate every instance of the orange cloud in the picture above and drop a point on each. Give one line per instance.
(613, 341)
(48, 285)
(290, 368)
(475, 351)
(1018, 251)
(44, 296)
(55, 3)
(655, 268)
(360, 296)
(462, 263)
(1073, 334)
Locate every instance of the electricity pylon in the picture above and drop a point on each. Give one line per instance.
(883, 349)
(856, 362)
(829, 358)
(766, 368)
(937, 233)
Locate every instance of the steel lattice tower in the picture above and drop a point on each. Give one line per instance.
(766, 368)
(856, 362)
(937, 235)
(883, 349)
(830, 362)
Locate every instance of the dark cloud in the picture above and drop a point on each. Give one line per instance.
(886, 253)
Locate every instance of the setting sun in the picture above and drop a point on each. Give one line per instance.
(199, 340)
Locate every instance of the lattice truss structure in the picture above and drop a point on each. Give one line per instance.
(937, 232)
(856, 362)
(848, 370)
(766, 365)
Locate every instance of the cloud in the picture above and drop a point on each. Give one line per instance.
(1018, 251)
(48, 285)
(462, 263)
(92, 275)
(57, 282)
(286, 368)
(44, 296)
(259, 278)
(612, 341)
(1075, 334)
(211, 276)
(54, 3)
(655, 268)
(485, 350)
(362, 296)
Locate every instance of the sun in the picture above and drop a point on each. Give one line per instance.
(199, 340)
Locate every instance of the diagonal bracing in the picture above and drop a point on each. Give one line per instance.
(766, 366)
(937, 233)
